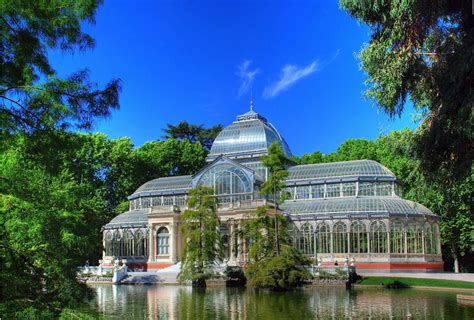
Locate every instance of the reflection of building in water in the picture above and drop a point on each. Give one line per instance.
(180, 302)
(162, 301)
(329, 303)
(338, 210)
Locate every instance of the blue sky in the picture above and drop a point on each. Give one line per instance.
(193, 60)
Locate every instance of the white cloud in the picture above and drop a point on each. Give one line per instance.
(246, 76)
(290, 74)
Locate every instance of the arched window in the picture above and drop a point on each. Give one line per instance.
(340, 238)
(109, 242)
(118, 243)
(292, 234)
(141, 243)
(306, 239)
(162, 241)
(436, 239)
(414, 238)
(397, 239)
(225, 245)
(429, 245)
(378, 237)
(324, 238)
(358, 237)
(128, 243)
(229, 182)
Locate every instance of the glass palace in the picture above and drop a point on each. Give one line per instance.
(337, 211)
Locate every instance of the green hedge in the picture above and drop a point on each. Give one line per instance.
(418, 282)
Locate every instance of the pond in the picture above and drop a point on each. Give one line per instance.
(182, 302)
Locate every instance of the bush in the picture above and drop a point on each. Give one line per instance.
(279, 273)
(108, 274)
(235, 277)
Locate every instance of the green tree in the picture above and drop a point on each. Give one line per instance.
(265, 269)
(46, 213)
(351, 149)
(169, 157)
(193, 133)
(276, 162)
(46, 223)
(315, 157)
(422, 51)
(200, 227)
(280, 273)
(32, 96)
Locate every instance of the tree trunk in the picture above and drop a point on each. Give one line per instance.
(455, 257)
(456, 264)
(199, 283)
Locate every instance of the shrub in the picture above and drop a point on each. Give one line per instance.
(279, 273)
(235, 277)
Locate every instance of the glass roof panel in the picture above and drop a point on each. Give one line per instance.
(338, 169)
(166, 183)
(130, 218)
(392, 205)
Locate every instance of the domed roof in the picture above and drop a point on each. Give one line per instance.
(249, 134)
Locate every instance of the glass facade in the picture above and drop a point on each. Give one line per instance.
(402, 238)
(338, 209)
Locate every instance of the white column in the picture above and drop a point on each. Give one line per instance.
(388, 238)
(239, 244)
(423, 238)
(405, 238)
(368, 242)
(151, 246)
(172, 242)
(231, 241)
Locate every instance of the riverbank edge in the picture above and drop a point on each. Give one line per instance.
(355, 286)
(449, 289)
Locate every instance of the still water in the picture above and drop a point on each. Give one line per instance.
(181, 302)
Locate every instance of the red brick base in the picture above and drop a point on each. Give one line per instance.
(398, 266)
(158, 265)
(143, 266)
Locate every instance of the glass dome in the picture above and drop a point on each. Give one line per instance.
(249, 134)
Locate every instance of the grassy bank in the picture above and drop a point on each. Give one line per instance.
(410, 282)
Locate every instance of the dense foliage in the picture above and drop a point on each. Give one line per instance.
(32, 96)
(202, 250)
(53, 205)
(279, 273)
(266, 269)
(450, 201)
(45, 210)
(193, 133)
(423, 51)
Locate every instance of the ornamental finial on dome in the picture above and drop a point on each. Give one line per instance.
(251, 100)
